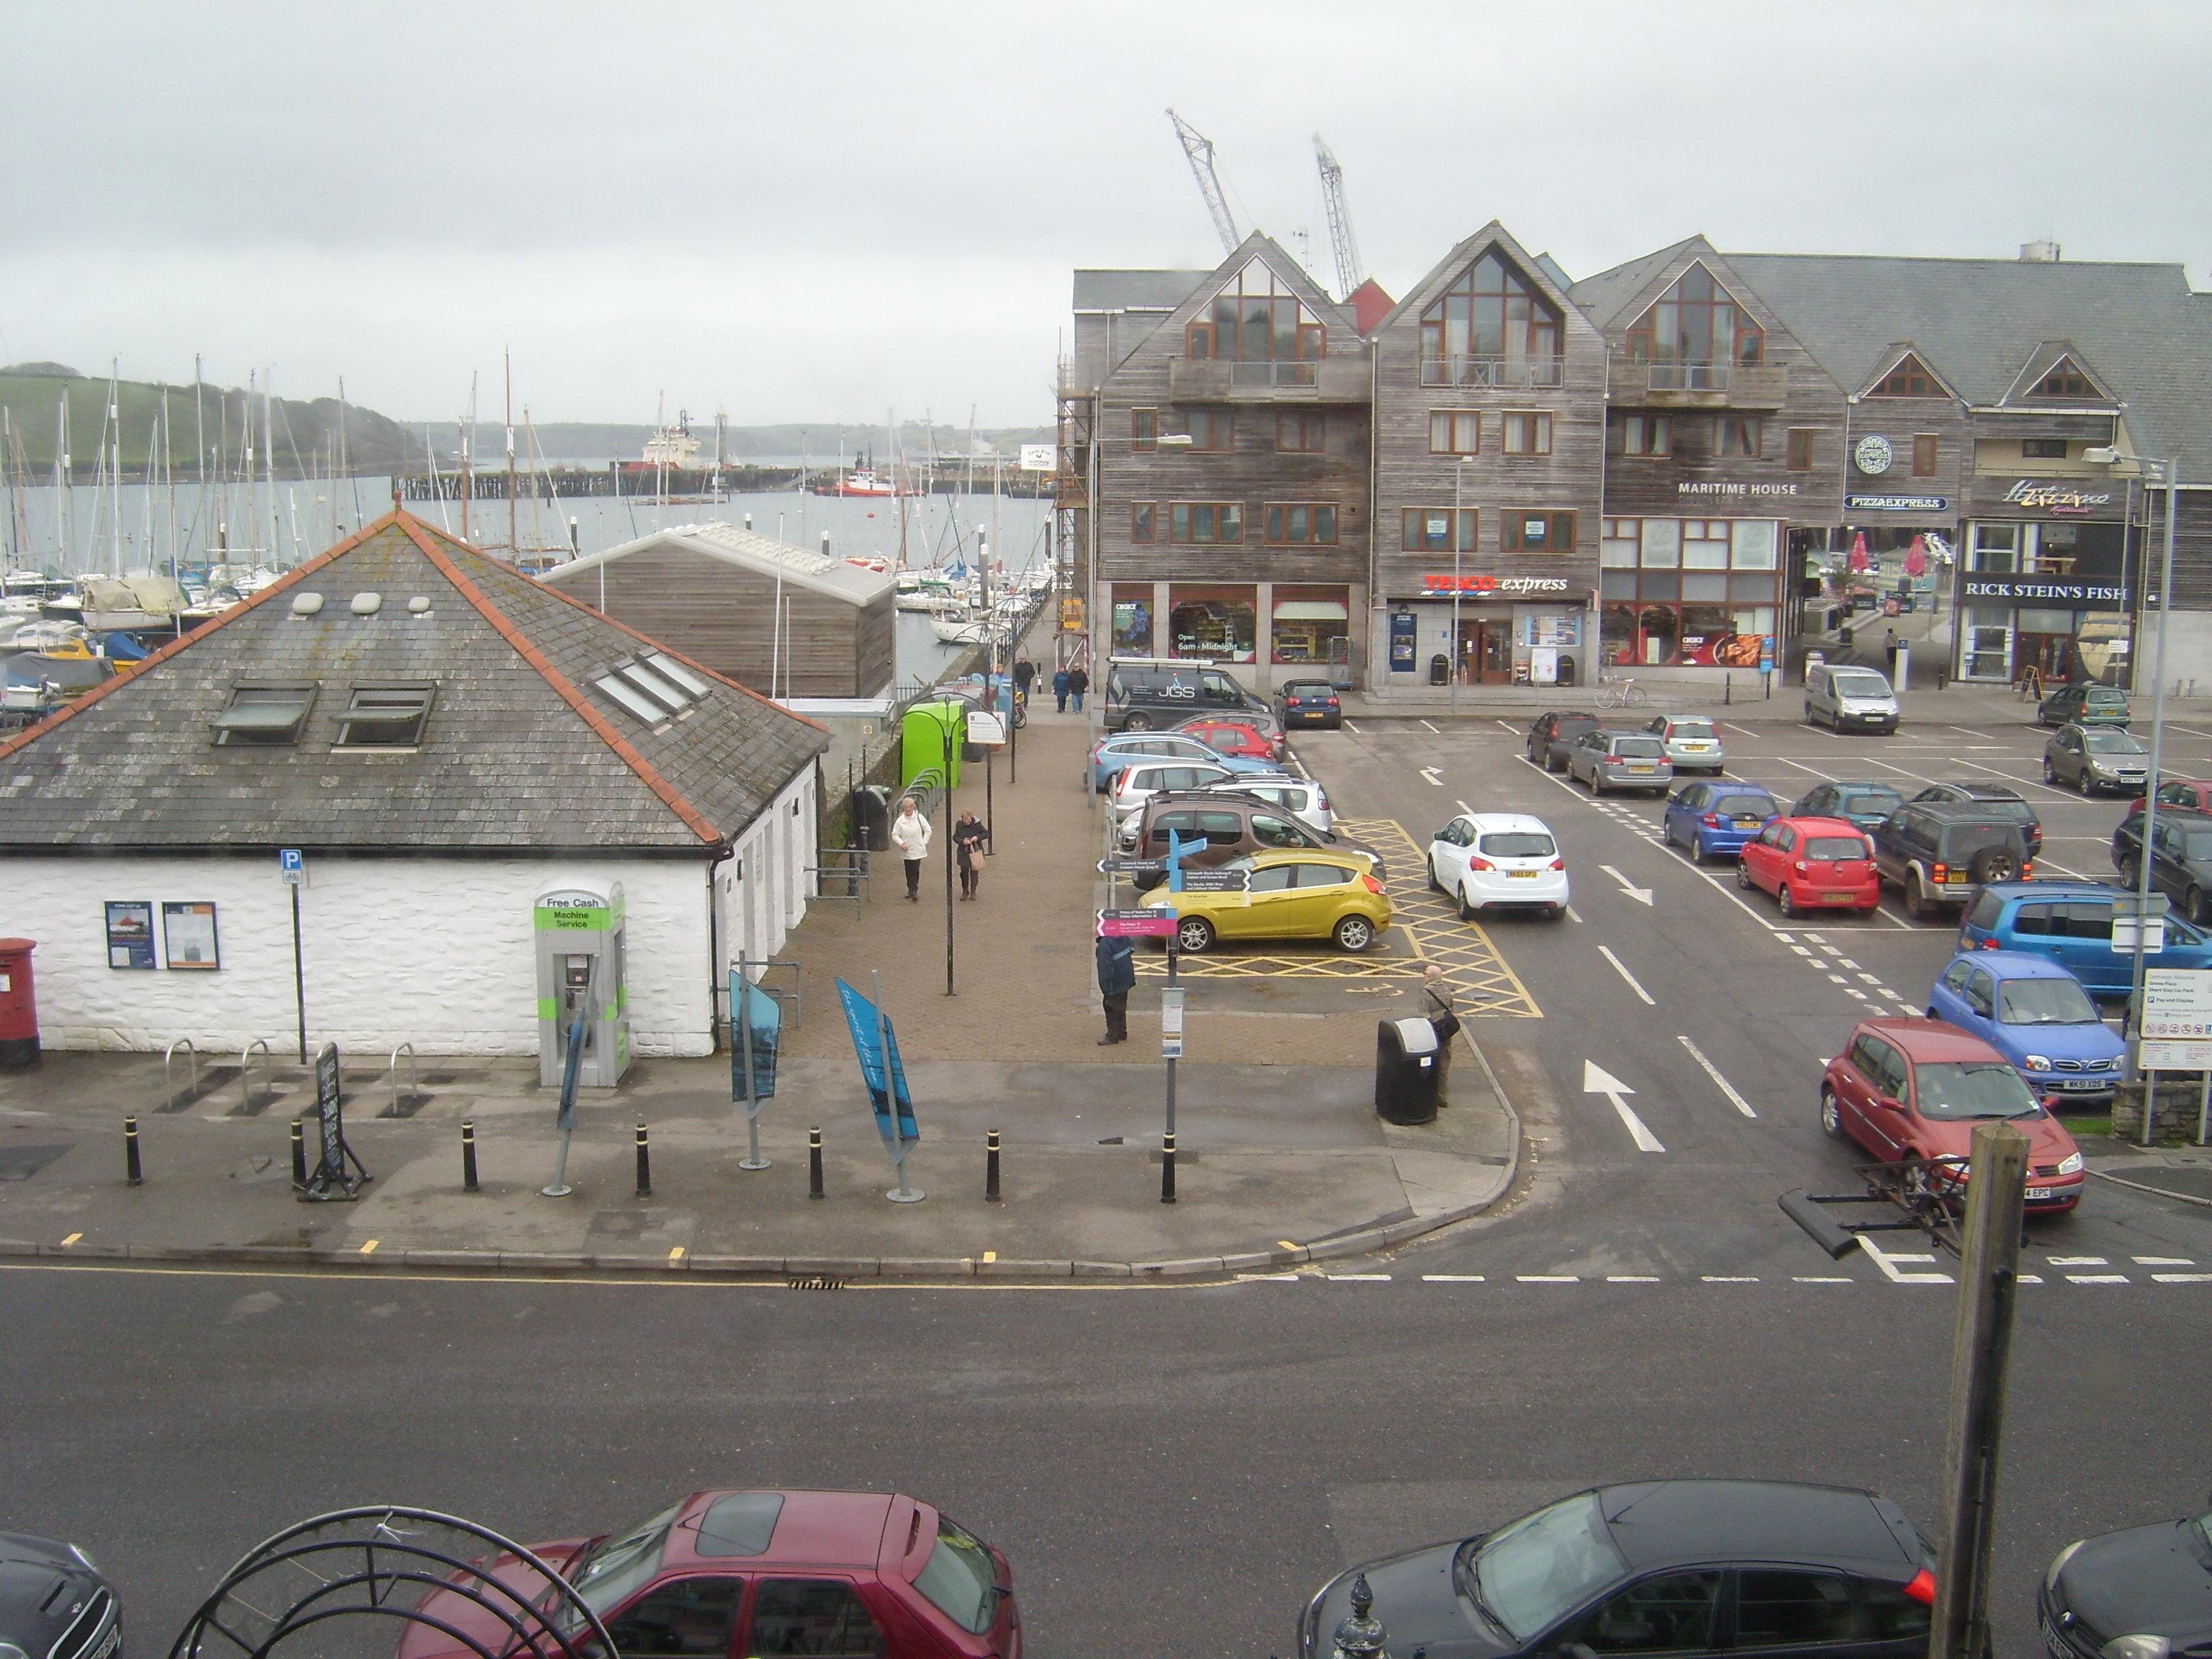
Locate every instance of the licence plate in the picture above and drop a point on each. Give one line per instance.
(1633, 768)
(1837, 898)
(2083, 1083)
(1746, 823)
(1524, 875)
(2039, 1192)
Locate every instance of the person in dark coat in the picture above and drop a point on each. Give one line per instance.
(1117, 977)
(968, 840)
(1078, 682)
(1025, 674)
(1059, 690)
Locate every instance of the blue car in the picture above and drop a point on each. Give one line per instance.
(2070, 923)
(2036, 1014)
(1108, 759)
(1713, 820)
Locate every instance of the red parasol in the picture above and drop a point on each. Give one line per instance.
(1859, 560)
(1916, 557)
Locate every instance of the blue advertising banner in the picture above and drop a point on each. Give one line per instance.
(872, 1037)
(756, 1034)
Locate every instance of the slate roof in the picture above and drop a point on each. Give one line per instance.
(749, 550)
(1135, 290)
(521, 755)
(1604, 295)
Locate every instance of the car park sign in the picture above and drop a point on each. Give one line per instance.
(2177, 1020)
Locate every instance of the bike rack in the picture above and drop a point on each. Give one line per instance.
(245, 1072)
(169, 1090)
(413, 1086)
(847, 863)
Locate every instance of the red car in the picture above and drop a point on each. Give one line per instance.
(2195, 794)
(724, 1573)
(1916, 1088)
(1238, 737)
(1811, 863)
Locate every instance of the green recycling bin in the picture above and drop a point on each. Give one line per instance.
(922, 745)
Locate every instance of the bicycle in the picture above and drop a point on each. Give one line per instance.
(1618, 691)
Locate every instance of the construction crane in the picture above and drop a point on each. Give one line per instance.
(1198, 150)
(1350, 274)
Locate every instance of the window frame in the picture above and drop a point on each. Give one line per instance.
(1220, 429)
(1451, 419)
(1144, 431)
(1644, 334)
(1311, 428)
(1908, 377)
(1182, 520)
(2027, 454)
(1483, 300)
(1143, 518)
(1799, 454)
(2064, 380)
(426, 693)
(1467, 528)
(242, 736)
(1539, 421)
(1274, 524)
(1927, 454)
(1657, 431)
(1512, 528)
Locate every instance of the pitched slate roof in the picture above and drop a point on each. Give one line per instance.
(520, 754)
(1135, 290)
(1604, 295)
(749, 549)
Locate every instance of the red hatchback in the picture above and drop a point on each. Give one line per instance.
(1811, 863)
(725, 1574)
(2195, 794)
(1239, 737)
(1916, 1088)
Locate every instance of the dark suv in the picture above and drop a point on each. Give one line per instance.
(1997, 800)
(1146, 694)
(1937, 853)
(1231, 825)
(1554, 733)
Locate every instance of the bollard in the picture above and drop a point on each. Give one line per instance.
(1727, 688)
(130, 1170)
(644, 1163)
(814, 1163)
(1167, 1168)
(299, 1156)
(469, 1156)
(991, 1167)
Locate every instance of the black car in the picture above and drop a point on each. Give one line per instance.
(1937, 853)
(1861, 802)
(1682, 1567)
(53, 1602)
(1309, 702)
(1995, 798)
(1150, 693)
(1554, 733)
(2183, 868)
(2145, 1593)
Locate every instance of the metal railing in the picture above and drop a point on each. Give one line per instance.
(168, 1087)
(1273, 371)
(246, 1073)
(794, 1001)
(413, 1082)
(1687, 377)
(846, 864)
(1465, 370)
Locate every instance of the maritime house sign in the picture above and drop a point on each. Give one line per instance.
(2047, 590)
(1728, 487)
(2044, 497)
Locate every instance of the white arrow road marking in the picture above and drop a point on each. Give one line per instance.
(1619, 966)
(1596, 1081)
(1433, 775)
(1641, 894)
(1714, 1073)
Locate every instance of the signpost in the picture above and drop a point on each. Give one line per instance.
(292, 866)
(2173, 1033)
(1171, 1023)
(338, 1174)
(1217, 881)
(756, 1033)
(2131, 915)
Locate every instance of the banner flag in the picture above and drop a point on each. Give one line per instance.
(756, 1026)
(865, 1021)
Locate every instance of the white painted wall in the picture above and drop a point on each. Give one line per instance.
(756, 913)
(435, 951)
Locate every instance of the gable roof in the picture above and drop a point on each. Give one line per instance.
(521, 754)
(1448, 270)
(2046, 357)
(1894, 358)
(1135, 290)
(1606, 294)
(1277, 259)
(749, 549)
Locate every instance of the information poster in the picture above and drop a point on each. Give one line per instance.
(130, 934)
(188, 935)
(1402, 635)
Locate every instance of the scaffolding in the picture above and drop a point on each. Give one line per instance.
(1072, 568)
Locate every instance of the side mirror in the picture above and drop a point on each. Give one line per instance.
(1886, 1102)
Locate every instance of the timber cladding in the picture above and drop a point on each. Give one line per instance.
(722, 614)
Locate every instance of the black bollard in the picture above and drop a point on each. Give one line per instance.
(299, 1156)
(1167, 1168)
(991, 1167)
(469, 1156)
(814, 1163)
(130, 1170)
(644, 1163)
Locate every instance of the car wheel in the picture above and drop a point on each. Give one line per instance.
(2129, 870)
(1354, 933)
(1194, 934)
(1137, 721)
(1554, 912)
(1831, 1114)
(2049, 772)
(1915, 898)
(1787, 905)
(1435, 885)
(1992, 864)
(1743, 875)
(2088, 784)
(1467, 908)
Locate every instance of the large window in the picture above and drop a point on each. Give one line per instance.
(1691, 590)
(1924, 448)
(1311, 626)
(2066, 380)
(1211, 428)
(1429, 530)
(1143, 430)
(1740, 434)
(1910, 378)
(270, 716)
(1132, 619)
(1526, 433)
(1258, 325)
(1647, 435)
(1490, 328)
(1537, 532)
(1801, 449)
(1141, 521)
(1454, 432)
(385, 716)
(1218, 623)
(1300, 432)
(1301, 524)
(1692, 334)
(1206, 524)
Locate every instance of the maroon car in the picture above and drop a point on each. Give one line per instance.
(2195, 793)
(1914, 1089)
(728, 1575)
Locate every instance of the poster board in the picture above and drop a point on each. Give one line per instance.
(130, 934)
(189, 939)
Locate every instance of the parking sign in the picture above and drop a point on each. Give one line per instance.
(292, 865)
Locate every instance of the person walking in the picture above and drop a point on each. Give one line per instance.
(1060, 686)
(1078, 682)
(910, 835)
(1024, 675)
(1117, 977)
(1889, 650)
(968, 840)
(1436, 993)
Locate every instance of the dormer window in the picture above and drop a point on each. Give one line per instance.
(1490, 328)
(267, 716)
(654, 687)
(1261, 326)
(385, 716)
(2065, 380)
(1909, 379)
(1693, 333)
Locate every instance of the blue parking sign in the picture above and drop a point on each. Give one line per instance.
(292, 865)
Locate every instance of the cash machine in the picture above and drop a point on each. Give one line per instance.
(580, 942)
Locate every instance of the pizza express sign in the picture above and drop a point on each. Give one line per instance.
(2048, 591)
(1496, 587)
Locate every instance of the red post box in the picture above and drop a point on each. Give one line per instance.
(19, 1008)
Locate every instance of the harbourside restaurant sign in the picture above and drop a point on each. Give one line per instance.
(1896, 503)
(2056, 497)
(2042, 591)
(1500, 586)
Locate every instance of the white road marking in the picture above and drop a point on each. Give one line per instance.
(1271, 1279)
(1787, 938)
(1433, 728)
(1641, 894)
(1970, 731)
(1714, 1073)
(1349, 726)
(2165, 1261)
(1356, 1278)
(1620, 968)
(1451, 1278)
(1845, 961)
(2079, 1261)
(1549, 1279)
(1596, 1081)
(1802, 950)
(1889, 1265)
(1822, 1278)
(2182, 1278)
(1433, 776)
(1514, 730)
(1632, 1279)
(1574, 915)
(2096, 1279)
(1464, 807)
(2030, 1278)
(1864, 979)
(1730, 1278)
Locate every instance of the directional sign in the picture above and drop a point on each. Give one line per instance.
(1125, 866)
(1596, 1081)
(1641, 894)
(292, 865)
(1217, 881)
(1136, 924)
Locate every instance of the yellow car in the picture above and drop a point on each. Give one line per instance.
(1294, 893)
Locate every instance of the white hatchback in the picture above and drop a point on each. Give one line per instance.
(1500, 860)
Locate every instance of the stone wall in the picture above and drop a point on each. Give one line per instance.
(2180, 1101)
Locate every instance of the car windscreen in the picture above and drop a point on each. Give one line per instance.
(2196, 846)
(621, 1562)
(2105, 696)
(1870, 803)
(1745, 807)
(959, 1579)
(1948, 1092)
(1539, 1568)
(1862, 685)
(1962, 840)
(2110, 740)
(1571, 725)
(1639, 748)
(1693, 729)
(1518, 844)
(1833, 849)
(2044, 1002)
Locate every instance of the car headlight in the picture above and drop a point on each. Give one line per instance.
(2136, 1647)
(2059, 1565)
(2070, 1164)
(2036, 1062)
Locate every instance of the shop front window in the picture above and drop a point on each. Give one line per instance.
(1995, 551)
(1132, 619)
(1219, 623)
(1311, 626)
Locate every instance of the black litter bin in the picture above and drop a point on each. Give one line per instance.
(1439, 669)
(1406, 1070)
(1566, 671)
(872, 818)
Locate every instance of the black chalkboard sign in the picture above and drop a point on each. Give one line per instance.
(331, 1178)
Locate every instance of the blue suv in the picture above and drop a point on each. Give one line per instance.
(1710, 820)
(2070, 923)
(2036, 1014)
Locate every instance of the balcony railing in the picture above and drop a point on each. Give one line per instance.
(1291, 380)
(1512, 372)
(1687, 377)
(1272, 372)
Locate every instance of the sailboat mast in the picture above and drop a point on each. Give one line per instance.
(64, 484)
(268, 462)
(468, 435)
(506, 369)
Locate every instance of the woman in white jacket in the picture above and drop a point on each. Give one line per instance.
(910, 835)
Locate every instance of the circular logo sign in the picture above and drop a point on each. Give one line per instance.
(1873, 454)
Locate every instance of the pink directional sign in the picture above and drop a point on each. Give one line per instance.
(1136, 924)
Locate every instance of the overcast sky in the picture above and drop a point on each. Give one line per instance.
(823, 211)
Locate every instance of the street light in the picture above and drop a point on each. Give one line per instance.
(2105, 455)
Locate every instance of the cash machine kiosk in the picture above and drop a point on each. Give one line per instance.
(580, 943)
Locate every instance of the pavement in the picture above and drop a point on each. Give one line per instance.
(1281, 1158)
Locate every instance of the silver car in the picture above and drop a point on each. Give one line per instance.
(1302, 797)
(2093, 758)
(1620, 760)
(1693, 744)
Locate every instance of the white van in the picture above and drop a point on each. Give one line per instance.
(1849, 698)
